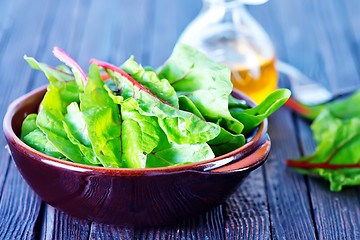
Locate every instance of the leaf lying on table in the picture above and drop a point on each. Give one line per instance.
(337, 132)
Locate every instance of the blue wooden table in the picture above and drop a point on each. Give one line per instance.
(321, 38)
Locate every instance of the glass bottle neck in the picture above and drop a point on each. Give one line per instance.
(222, 3)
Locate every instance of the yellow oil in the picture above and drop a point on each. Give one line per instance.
(259, 85)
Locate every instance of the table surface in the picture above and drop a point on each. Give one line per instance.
(321, 38)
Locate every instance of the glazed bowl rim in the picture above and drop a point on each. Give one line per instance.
(12, 138)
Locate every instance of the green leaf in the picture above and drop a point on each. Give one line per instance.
(205, 82)
(180, 126)
(237, 103)
(140, 134)
(28, 125)
(252, 117)
(35, 138)
(175, 154)
(51, 120)
(55, 75)
(102, 118)
(77, 132)
(346, 108)
(161, 88)
(187, 105)
(226, 142)
(337, 157)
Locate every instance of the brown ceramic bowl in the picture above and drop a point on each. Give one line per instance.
(138, 197)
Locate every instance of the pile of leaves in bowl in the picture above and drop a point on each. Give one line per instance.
(136, 117)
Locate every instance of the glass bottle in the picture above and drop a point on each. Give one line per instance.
(227, 33)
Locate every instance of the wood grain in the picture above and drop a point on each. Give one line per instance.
(19, 205)
(246, 212)
(290, 210)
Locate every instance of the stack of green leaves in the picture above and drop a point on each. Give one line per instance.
(336, 130)
(139, 117)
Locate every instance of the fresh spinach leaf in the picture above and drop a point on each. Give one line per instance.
(77, 132)
(252, 117)
(103, 121)
(161, 88)
(35, 138)
(337, 157)
(205, 82)
(170, 154)
(180, 126)
(226, 142)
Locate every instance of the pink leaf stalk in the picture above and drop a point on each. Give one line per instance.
(69, 61)
(124, 74)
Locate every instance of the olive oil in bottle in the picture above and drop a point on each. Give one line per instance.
(226, 32)
(256, 83)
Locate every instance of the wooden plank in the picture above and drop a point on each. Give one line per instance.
(103, 231)
(59, 225)
(246, 212)
(300, 39)
(351, 26)
(131, 36)
(19, 208)
(337, 214)
(187, 11)
(6, 24)
(287, 193)
(164, 34)
(68, 18)
(19, 205)
(340, 65)
(290, 210)
(266, 16)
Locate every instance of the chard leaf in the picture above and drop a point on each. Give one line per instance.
(79, 73)
(180, 126)
(140, 134)
(77, 132)
(176, 154)
(205, 82)
(187, 105)
(35, 138)
(51, 120)
(346, 108)
(28, 125)
(55, 75)
(337, 157)
(226, 142)
(252, 117)
(161, 88)
(102, 118)
(237, 103)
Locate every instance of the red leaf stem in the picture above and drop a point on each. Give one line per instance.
(320, 165)
(65, 58)
(297, 107)
(124, 74)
